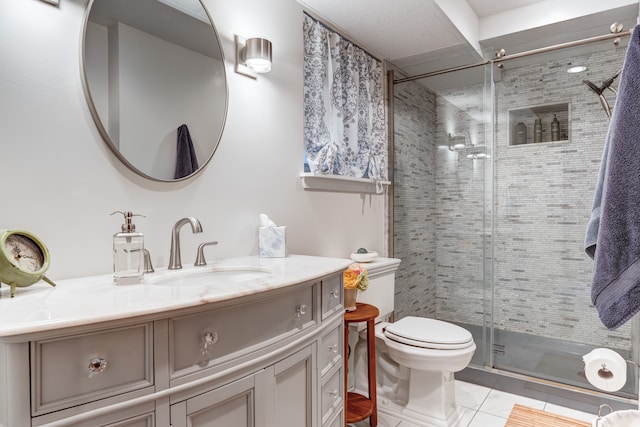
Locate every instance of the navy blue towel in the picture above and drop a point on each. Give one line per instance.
(186, 160)
(615, 289)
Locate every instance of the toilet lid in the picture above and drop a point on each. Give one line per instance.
(428, 333)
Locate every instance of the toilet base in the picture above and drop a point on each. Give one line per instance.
(422, 398)
(431, 401)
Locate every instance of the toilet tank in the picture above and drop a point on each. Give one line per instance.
(382, 281)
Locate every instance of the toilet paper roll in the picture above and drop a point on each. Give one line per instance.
(605, 369)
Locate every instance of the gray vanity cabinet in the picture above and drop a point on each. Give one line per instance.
(268, 359)
(280, 395)
(144, 420)
(294, 389)
(140, 419)
(236, 404)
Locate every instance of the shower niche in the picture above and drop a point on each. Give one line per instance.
(539, 124)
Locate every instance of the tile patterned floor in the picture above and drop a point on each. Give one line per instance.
(486, 407)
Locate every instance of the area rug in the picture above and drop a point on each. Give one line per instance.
(522, 416)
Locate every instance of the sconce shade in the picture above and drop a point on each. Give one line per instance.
(253, 56)
(257, 55)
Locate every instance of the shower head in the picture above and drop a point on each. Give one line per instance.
(609, 81)
(605, 84)
(598, 91)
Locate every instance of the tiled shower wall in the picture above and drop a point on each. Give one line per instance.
(414, 200)
(542, 200)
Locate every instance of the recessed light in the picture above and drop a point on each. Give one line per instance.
(576, 69)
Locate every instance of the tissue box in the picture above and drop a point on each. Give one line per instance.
(273, 242)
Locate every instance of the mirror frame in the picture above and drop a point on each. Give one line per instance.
(98, 121)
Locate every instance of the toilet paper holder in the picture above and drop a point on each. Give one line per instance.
(606, 369)
(605, 373)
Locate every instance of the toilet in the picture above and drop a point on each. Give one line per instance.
(416, 357)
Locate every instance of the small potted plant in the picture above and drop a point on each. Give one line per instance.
(355, 278)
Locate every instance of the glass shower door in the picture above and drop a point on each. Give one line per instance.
(542, 319)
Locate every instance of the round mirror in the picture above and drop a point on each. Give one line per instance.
(155, 82)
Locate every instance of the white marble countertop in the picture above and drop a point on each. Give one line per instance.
(94, 299)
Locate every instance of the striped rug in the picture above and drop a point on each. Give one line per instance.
(522, 416)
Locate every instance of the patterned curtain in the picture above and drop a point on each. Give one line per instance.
(344, 124)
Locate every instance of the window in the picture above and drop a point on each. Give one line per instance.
(344, 121)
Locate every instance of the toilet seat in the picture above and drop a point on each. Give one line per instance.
(428, 333)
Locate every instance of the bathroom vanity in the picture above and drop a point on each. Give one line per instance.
(246, 341)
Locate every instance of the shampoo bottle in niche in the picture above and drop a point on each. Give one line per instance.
(128, 252)
(521, 133)
(555, 129)
(537, 131)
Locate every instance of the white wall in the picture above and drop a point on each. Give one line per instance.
(61, 182)
(149, 118)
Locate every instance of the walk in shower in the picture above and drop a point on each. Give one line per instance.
(494, 174)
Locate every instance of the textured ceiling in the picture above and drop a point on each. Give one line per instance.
(387, 29)
(414, 32)
(484, 8)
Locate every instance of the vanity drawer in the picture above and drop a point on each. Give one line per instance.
(331, 399)
(82, 368)
(213, 337)
(331, 295)
(330, 350)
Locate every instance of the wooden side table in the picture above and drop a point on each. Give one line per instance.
(360, 407)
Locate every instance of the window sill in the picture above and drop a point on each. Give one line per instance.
(338, 183)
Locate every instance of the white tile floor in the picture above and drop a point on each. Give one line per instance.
(485, 407)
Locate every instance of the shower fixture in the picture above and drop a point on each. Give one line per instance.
(457, 141)
(462, 143)
(598, 90)
(478, 155)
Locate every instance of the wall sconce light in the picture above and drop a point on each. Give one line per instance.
(253, 56)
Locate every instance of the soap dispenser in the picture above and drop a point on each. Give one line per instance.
(128, 252)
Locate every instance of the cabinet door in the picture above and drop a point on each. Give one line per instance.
(232, 405)
(146, 420)
(294, 390)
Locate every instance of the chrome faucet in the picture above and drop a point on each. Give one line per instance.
(200, 261)
(175, 261)
(148, 267)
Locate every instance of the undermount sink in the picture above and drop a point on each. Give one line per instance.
(207, 276)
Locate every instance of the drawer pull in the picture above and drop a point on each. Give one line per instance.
(334, 393)
(301, 310)
(97, 365)
(335, 293)
(333, 348)
(208, 340)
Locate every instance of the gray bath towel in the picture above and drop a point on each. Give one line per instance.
(615, 289)
(186, 161)
(591, 237)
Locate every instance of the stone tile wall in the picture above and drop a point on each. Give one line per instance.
(542, 195)
(414, 200)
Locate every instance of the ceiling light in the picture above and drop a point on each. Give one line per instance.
(576, 69)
